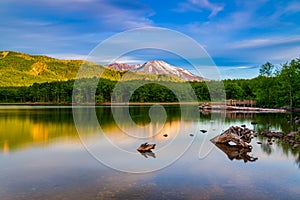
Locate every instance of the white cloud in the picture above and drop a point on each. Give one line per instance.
(130, 60)
(72, 26)
(215, 8)
(236, 67)
(234, 72)
(104, 61)
(68, 56)
(249, 35)
(199, 6)
(243, 67)
(218, 32)
(101, 14)
(124, 59)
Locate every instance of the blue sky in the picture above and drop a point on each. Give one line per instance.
(238, 35)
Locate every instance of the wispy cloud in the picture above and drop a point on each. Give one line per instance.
(234, 72)
(234, 33)
(250, 34)
(199, 6)
(101, 14)
(290, 8)
(243, 67)
(124, 59)
(68, 56)
(73, 26)
(264, 42)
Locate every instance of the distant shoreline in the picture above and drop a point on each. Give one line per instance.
(214, 108)
(105, 104)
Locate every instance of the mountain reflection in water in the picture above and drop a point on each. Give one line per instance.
(42, 157)
(22, 128)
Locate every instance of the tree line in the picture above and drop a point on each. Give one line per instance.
(274, 87)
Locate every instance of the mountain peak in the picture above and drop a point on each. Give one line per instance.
(158, 67)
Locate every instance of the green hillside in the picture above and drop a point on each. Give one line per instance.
(19, 69)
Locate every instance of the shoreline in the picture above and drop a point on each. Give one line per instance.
(102, 104)
(216, 107)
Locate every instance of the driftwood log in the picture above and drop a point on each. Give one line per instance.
(146, 147)
(240, 136)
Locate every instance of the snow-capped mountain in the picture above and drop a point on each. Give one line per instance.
(158, 67)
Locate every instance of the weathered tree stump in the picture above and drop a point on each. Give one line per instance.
(240, 136)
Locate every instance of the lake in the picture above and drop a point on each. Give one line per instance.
(60, 152)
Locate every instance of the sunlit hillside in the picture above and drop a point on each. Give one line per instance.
(20, 69)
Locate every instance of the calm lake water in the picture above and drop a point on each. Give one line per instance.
(44, 155)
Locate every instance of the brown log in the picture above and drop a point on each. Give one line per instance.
(146, 147)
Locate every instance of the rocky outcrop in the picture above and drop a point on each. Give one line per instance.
(291, 138)
(38, 68)
(121, 66)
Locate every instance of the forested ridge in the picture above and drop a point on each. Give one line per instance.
(274, 87)
(20, 69)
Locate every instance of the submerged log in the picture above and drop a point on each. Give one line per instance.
(146, 147)
(240, 136)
